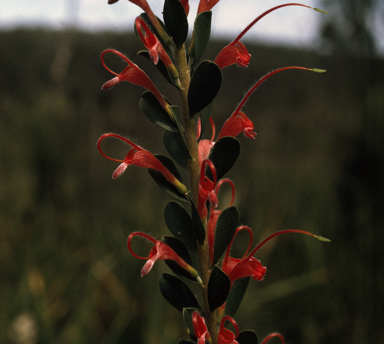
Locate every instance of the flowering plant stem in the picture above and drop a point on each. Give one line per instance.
(205, 230)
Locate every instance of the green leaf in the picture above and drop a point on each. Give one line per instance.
(176, 21)
(197, 224)
(247, 337)
(180, 224)
(174, 144)
(165, 184)
(179, 247)
(177, 293)
(155, 112)
(224, 155)
(219, 285)
(239, 287)
(204, 86)
(225, 230)
(201, 34)
(188, 323)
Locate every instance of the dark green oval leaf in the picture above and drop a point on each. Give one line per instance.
(205, 83)
(239, 287)
(219, 285)
(197, 224)
(155, 112)
(201, 34)
(174, 145)
(225, 230)
(224, 155)
(176, 21)
(247, 337)
(177, 293)
(165, 184)
(180, 224)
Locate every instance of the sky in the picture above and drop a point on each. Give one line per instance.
(292, 25)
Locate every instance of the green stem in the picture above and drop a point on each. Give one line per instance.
(194, 175)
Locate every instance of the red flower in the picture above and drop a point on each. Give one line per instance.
(154, 46)
(142, 158)
(205, 145)
(226, 336)
(272, 335)
(201, 331)
(160, 251)
(235, 52)
(133, 74)
(237, 123)
(250, 266)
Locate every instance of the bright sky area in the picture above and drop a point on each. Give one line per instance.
(290, 25)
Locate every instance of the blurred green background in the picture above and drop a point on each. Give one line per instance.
(316, 164)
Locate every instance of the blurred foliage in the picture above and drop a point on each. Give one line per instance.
(316, 164)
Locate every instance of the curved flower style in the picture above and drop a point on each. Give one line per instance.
(226, 336)
(160, 251)
(250, 266)
(272, 335)
(154, 47)
(141, 158)
(201, 331)
(133, 74)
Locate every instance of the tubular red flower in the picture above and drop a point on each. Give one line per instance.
(154, 47)
(235, 52)
(133, 74)
(272, 335)
(201, 331)
(226, 336)
(250, 266)
(141, 158)
(237, 123)
(160, 251)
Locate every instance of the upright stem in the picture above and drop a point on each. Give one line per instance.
(190, 137)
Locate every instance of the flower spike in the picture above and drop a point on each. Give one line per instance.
(141, 158)
(160, 251)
